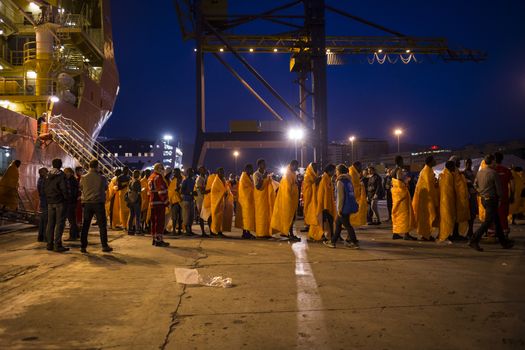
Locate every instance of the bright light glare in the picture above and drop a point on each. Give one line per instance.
(407, 51)
(296, 134)
(274, 50)
(1, 32)
(327, 50)
(351, 138)
(398, 132)
(54, 99)
(33, 6)
(5, 103)
(31, 74)
(283, 170)
(1, 67)
(7, 154)
(235, 154)
(251, 50)
(380, 50)
(167, 137)
(221, 49)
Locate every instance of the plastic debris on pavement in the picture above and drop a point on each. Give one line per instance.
(192, 277)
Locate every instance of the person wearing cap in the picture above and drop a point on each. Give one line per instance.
(158, 191)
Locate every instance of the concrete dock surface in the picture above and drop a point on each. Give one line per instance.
(387, 295)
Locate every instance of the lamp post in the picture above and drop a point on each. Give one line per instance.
(352, 139)
(51, 103)
(398, 132)
(296, 135)
(235, 156)
(167, 138)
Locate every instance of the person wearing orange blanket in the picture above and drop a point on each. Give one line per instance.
(247, 202)
(359, 218)
(447, 202)
(326, 212)
(218, 196)
(426, 201)
(402, 212)
(263, 197)
(122, 185)
(462, 203)
(309, 195)
(113, 201)
(286, 203)
(9, 186)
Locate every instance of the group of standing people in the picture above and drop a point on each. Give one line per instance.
(450, 204)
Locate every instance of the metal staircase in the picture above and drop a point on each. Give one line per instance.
(76, 142)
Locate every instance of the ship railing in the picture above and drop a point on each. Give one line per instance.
(27, 86)
(79, 144)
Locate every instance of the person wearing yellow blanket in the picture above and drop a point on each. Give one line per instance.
(122, 188)
(359, 218)
(205, 213)
(286, 203)
(263, 196)
(309, 191)
(114, 201)
(247, 202)
(447, 202)
(175, 198)
(426, 201)
(326, 212)
(462, 203)
(9, 186)
(517, 205)
(218, 196)
(402, 212)
(325, 206)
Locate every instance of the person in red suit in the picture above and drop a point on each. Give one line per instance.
(507, 184)
(158, 200)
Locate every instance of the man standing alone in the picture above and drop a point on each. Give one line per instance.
(93, 187)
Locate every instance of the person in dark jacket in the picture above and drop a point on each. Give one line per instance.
(42, 226)
(71, 204)
(374, 192)
(387, 185)
(93, 186)
(56, 192)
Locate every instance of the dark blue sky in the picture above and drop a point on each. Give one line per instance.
(449, 104)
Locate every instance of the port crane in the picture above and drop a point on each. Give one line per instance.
(216, 31)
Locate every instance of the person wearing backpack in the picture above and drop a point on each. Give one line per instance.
(133, 201)
(346, 204)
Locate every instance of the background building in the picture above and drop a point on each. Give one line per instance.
(367, 148)
(142, 154)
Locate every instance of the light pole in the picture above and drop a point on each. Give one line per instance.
(352, 139)
(167, 138)
(296, 135)
(235, 156)
(51, 103)
(398, 132)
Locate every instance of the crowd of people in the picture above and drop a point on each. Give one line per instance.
(262, 204)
